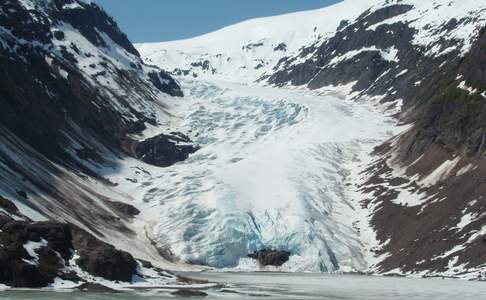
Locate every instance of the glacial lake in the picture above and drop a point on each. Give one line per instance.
(291, 286)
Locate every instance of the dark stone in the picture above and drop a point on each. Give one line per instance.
(189, 293)
(124, 208)
(59, 35)
(57, 235)
(15, 270)
(103, 260)
(280, 47)
(165, 150)
(342, 25)
(270, 257)
(95, 288)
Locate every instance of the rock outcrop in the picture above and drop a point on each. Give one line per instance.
(270, 257)
(103, 260)
(165, 150)
(33, 254)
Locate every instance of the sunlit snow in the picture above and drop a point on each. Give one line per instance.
(271, 173)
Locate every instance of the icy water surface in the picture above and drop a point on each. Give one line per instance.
(293, 286)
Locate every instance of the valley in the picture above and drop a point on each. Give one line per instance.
(344, 140)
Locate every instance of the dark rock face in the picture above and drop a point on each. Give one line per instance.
(57, 235)
(165, 150)
(46, 97)
(103, 260)
(165, 83)
(453, 117)
(417, 233)
(99, 22)
(15, 269)
(270, 257)
(280, 47)
(56, 245)
(364, 68)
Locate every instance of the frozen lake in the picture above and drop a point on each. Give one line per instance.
(292, 286)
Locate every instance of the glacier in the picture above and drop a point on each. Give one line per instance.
(275, 171)
(279, 168)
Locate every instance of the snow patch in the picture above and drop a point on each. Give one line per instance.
(389, 54)
(441, 173)
(469, 89)
(402, 73)
(465, 169)
(465, 220)
(31, 248)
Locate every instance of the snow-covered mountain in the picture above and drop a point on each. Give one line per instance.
(250, 50)
(423, 60)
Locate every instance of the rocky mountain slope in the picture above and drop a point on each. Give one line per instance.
(75, 101)
(423, 61)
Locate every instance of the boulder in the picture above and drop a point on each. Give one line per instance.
(165, 150)
(270, 257)
(57, 235)
(95, 288)
(189, 293)
(124, 208)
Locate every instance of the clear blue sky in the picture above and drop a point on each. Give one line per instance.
(162, 20)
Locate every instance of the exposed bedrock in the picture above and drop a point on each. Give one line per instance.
(101, 259)
(165, 82)
(33, 254)
(164, 150)
(270, 257)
